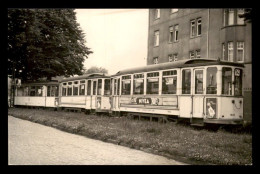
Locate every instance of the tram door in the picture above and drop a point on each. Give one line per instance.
(199, 93)
(94, 94)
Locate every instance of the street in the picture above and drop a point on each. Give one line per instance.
(34, 144)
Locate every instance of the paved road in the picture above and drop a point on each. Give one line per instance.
(34, 144)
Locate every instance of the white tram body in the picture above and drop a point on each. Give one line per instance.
(89, 92)
(37, 94)
(204, 90)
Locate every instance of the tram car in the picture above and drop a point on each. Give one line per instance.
(196, 90)
(89, 92)
(38, 94)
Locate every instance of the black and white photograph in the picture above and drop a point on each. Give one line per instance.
(129, 86)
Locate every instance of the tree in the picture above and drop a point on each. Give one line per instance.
(95, 69)
(44, 43)
(247, 15)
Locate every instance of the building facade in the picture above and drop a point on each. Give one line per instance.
(177, 34)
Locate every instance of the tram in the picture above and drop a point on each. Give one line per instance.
(197, 90)
(89, 92)
(200, 91)
(37, 94)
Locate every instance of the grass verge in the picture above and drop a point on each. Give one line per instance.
(179, 142)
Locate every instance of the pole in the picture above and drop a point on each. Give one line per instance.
(13, 87)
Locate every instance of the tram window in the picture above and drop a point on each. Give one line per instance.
(211, 81)
(26, 91)
(99, 86)
(138, 84)
(82, 89)
(226, 81)
(126, 87)
(56, 91)
(238, 82)
(19, 92)
(39, 90)
(32, 91)
(48, 91)
(186, 81)
(64, 88)
(152, 86)
(69, 90)
(199, 82)
(89, 87)
(169, 85)
(115, 85)
(107, 87)
(94, 87)
(75, 90)
(118, 86)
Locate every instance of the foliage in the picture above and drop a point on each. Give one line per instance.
(175, 141)
(247, 15)
(44, 43)
(95, 69)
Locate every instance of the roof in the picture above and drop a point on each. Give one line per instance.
(85, 76)
(177, 64)
(40, 83)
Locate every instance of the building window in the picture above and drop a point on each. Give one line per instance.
(197, 54)
(175, 57)
(170, 57)
(240, 51)
(176, 28)
(192, 55)
(240, 20)
(156, 38)
(230, 17)
(171, 34)
(192, 28)
(199, 27)
(174, 10)
(157, 13)
(224, 17)
(155, 60)
(223, 51)
(230, 52)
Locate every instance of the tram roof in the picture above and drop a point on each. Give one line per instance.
(177, 64)
(84, 76)
(40, 83)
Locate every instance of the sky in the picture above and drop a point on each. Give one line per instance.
(117, 37)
